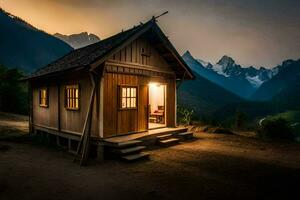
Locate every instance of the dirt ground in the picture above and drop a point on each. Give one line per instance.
(209, 167)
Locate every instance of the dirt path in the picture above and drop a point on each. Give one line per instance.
(12, 125)
(210, 167)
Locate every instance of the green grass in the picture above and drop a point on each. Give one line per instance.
(292, 117)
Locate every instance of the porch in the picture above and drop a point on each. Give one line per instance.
(131, 147)
(144, 136)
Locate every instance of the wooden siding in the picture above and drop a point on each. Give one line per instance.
(57, 116)
(45, 116)
(118, 121)
(132, 67)
(132, 54)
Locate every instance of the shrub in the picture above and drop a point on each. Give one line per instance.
(277, 129)
(185, 115)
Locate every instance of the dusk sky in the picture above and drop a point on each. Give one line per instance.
(253, 32)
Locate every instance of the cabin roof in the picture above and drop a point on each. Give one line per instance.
(89, 55)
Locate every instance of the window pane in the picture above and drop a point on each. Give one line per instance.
(133, 92)
(76, 94)
(133, 102)
(128, 103)
(128, 92)
(77, 103)
(123, 92)
(123, 102)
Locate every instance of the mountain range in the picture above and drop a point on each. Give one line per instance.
(222, 89)
(242, 81)
(25, 47)
(78, 40)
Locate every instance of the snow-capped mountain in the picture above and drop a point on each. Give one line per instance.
(227, 67)
(243, 81)
(218, 74)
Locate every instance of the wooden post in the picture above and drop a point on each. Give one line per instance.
(83, 145)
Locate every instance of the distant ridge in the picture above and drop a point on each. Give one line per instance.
(25, 47)
(284, 87)
(78, 40)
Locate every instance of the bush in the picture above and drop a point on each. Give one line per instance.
(185, 115)
(277, 129)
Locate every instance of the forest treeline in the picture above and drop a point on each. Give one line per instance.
(13, 92)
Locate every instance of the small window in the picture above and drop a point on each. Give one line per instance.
(128, 97)
(72, 97)
(43, 97)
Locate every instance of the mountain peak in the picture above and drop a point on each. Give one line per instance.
(78, 40)
(187, 53)
(226, 61)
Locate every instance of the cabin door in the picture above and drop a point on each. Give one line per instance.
(157, 105)
(143, 108)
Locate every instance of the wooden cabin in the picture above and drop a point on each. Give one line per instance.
(125, 84)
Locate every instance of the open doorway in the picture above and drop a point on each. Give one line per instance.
(157, 105)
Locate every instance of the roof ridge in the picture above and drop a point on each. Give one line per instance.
(91, 45)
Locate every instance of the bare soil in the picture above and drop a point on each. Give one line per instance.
(209, 167)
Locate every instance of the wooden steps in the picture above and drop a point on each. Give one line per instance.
(173, 138)
(128, 143)
(137, 156)
(130, 150)
(161, 137)
(186, 135)
(168, 142)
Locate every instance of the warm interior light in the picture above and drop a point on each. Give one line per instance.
(152, 84)
(156, 96)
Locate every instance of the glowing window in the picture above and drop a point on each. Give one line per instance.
(43, 97)
(72, 97)
(128, 97)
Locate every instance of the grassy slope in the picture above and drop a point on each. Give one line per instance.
(292, 116)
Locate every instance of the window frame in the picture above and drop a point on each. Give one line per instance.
(120, 97)
(66, 88)
(46, 105)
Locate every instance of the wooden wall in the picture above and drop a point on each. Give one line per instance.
(69, 121)
(132, 54)
(118, 121)
(45, 116)
(131, 66)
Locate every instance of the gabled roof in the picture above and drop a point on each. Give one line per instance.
(95, 54)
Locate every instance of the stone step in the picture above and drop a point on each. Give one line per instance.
(169, 141)
(186, 135)
(165, 136)
(128, 143)
(137, 156)
(129, 150)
